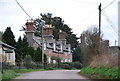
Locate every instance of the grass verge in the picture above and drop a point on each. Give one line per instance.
(9, 74)
(27, 70)
(101, 72)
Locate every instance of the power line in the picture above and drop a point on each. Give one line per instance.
(110, 22)
(23, 9)
(109, 4)
(88, 16)
(84, 2)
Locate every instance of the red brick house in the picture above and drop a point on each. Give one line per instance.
(51, 46)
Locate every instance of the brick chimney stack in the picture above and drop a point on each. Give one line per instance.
(62, 35)
(82, 37)
(48, 32)
(106, 43)
(29, 25)
(30, 31)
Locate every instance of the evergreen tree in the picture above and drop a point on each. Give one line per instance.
(31, 52)
(8, 37)
(18, 45)
(58, 25)
(77, 55)
(38, 55)
(21, 48)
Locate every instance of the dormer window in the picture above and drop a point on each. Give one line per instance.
(51, 44)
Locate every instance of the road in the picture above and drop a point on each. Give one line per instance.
(52, 74)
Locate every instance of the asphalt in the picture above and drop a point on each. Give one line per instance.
(52, 74)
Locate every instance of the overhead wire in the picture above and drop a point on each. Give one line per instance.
(23, 9)
(109, 4)
(109, 21)
(84, 2)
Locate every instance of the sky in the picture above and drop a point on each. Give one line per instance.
(77, 14)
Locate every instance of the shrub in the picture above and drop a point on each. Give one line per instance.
(66, 66)
(107, 59)
(76, 65)
(49, 68)
(29, 63)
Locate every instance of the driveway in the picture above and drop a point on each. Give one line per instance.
(52, 74)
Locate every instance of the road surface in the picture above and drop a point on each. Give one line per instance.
(52, 74)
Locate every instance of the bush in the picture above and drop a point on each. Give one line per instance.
(76, 65)
(66, 66)
(107, 59)
(29, 63)
(70, 65)
(39, 66)
(50, 68)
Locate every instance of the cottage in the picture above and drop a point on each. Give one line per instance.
(7, 53)
(52, 48)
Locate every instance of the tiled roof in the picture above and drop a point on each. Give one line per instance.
(4, 44)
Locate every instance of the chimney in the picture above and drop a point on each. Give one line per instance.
(30, 32)
(82, 37)
(62, 35)
(48, 32)
(30, 25)
(106, 43)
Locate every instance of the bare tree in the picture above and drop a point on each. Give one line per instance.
(92, 44)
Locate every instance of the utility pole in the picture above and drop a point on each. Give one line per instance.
(99, 28)
(42, 47)
(42, 43)
(115, 42)
(99, 19)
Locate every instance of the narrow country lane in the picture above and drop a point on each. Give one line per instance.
(52, 74)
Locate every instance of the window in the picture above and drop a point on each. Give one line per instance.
(9, 56)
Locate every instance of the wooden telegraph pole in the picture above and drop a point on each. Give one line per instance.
(99, 29)
(99, 20)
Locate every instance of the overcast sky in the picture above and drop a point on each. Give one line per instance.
(78, 14)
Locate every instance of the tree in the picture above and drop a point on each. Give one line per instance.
(58, 25)
(8, 37)
(77, 55)
(38, 55)
(31, 52)
(92, 45)
(21, 48)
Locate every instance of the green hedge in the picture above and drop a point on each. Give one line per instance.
(71, 65)
(101, 72)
